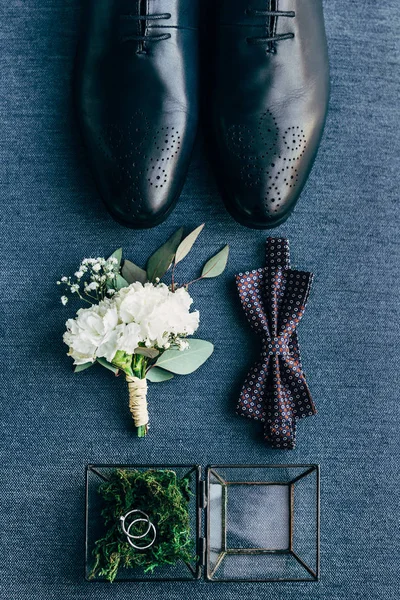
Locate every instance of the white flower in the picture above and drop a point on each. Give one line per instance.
(130, 338)
(138, 302)
(93, 333)
(91, 286)
(146, 314)
(64, 279)
(64, 300)
(159, 312)
(79, 274)
(109, 345)
(96, 267)
(182, 344)
(74, 288)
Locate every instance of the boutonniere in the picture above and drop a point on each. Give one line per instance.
(136, 324)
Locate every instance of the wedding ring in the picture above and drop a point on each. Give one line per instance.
(144, 518)
(129, 537)
(126, 531)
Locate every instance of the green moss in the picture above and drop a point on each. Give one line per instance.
(165, 499)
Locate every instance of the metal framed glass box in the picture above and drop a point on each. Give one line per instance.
(248, 523)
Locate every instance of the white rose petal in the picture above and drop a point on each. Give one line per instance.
(130, 338)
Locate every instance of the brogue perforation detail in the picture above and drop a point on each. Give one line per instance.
(282, 149)
(168, 142)
(158, 149)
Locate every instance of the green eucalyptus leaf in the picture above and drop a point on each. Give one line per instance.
(216, 265)
(157, 375)
(104, 363)
(149, 352)
(186, 245)
(159, 263)
(117, 254)
(120, 282)
(83, 367)
(133, 273)
(186, 361)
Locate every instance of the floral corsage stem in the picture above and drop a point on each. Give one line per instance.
(137, 386)
(135, 323)
(135, 374)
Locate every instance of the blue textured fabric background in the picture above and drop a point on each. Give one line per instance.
(344, 229)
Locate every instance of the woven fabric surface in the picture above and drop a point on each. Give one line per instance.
(344, 229)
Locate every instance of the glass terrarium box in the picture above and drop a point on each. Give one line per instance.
(168, 522)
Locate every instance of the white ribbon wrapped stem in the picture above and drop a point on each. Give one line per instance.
(138, 400)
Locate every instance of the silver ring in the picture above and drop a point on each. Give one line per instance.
(144, 518)
(138, 537)
(126, 531)
(150, 543)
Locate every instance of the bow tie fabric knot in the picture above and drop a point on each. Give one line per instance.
(277, 346)
(274, 299)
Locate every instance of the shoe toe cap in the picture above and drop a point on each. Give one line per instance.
(263, 195)
(135, 205)
(264, 168)
(139, 168)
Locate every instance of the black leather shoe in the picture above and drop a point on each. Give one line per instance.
(269, 102)
(136, 93)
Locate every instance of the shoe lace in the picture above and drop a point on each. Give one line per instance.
(146, 38)
(270, 39)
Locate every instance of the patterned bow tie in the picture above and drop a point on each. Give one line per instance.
(274, 300)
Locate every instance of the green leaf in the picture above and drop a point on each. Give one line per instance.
(186, 361)
(133, 273)
(83, 367)
(216, 265)
(156, 375)
(186, 245)
(149, 352)
(117, 254)
(120, 282)
(160, 262)
(104, 363)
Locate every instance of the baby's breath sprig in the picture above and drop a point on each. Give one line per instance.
(95, 279)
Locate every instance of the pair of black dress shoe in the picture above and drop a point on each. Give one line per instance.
(137, 97)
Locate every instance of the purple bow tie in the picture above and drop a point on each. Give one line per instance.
(274, 300)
